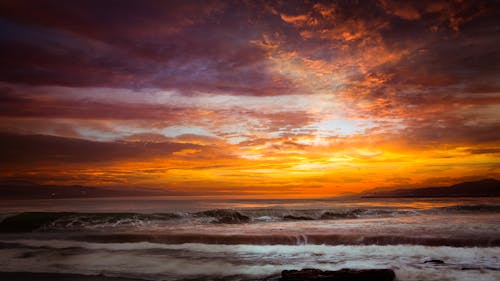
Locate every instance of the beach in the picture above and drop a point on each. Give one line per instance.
(28, 276)
(425, 239)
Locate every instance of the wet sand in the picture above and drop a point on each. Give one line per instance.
(29, 276)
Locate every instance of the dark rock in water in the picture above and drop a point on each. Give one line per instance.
(470, 268)
(333, 216)
(351, 214)
(26, 255)
(32, 276)
(311, 274)
(27, 222)
(297, 218)
(237, 218)
(224, 216)
(434, 261)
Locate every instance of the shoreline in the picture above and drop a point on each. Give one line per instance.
(45, 276)
(308, 274)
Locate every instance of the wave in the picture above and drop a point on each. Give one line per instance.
(33, 221)
(223, 216)
(47, 221)
(68, 221)
(156, 261)
(405, 250)
(297, 239)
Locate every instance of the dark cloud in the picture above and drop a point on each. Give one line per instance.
(15, 104)
(442, 131)
(401, 56)
(459, 63)
(188, 46)
(207, 47)
(42, 149)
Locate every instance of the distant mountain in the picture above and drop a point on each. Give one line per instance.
(27, 190)
(481, 188)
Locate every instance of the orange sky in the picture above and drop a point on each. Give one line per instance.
(258, 99)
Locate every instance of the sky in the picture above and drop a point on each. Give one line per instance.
(250, 98)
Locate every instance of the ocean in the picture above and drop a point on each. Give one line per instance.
(199, 238)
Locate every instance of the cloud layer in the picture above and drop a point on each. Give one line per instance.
(302, 98)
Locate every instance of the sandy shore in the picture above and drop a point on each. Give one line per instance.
(28, 276)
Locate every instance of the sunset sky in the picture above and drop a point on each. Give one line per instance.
(250, 98)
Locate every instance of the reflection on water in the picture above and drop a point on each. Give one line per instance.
(185, 204)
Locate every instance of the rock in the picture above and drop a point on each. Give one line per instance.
(304, 274)
(333, 216)
(236, 218)
(224, 216)
(434, 261)
(470, 268)
(311, 274)
(297, 218)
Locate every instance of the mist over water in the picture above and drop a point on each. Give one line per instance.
(172, 239)
(162, 204)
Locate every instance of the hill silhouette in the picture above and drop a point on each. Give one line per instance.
(480, 188)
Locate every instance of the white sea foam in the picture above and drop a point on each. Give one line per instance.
(171, 262)
(404, 250)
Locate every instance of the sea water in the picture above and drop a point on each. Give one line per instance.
(221, 239)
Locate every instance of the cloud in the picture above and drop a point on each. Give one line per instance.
(404, 10)
(315, 96)
(46, 150)
(193, 48)
(17, 105)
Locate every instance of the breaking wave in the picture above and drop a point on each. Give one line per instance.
(154, 261)
(296, 239)
(67, 221)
